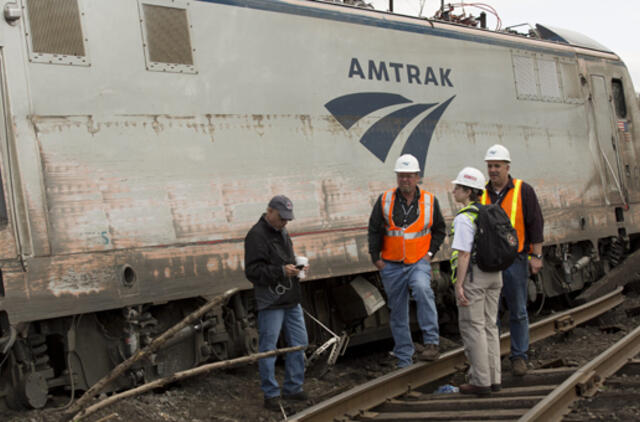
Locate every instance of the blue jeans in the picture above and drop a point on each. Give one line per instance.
(397, 279)
(270, 323)
(514, 291)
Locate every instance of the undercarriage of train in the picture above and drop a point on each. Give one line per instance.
(68, 355)
(72, 353)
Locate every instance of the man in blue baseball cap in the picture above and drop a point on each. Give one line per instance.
(283, 205)
(269, 264)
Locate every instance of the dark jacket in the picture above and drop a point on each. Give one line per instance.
(377, 224)
(266, 252)
(533, 219)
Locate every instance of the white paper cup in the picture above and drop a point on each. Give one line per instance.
(304, 261)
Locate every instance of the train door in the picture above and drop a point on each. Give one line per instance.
(629, 166)
(607, 141)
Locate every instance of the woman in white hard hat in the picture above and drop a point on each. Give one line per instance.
(477, 291)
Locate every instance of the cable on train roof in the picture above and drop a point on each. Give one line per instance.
(446, 14)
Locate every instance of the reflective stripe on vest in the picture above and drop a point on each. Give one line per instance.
(512, 205)
(408, 244)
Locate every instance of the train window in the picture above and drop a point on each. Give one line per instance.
(618, 98)
(167, 37)
(4, 323)
(4, 217)
(54, 32)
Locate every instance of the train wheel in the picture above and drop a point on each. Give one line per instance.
(33, 390)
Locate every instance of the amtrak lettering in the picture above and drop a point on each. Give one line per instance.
(380, 136)
(401, 72)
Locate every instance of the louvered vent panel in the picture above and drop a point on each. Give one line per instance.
(549, 86)
(525, 76)
(55, 27)
(168, 38)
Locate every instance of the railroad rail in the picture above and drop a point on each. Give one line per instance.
(358, 402)
(622, 387)
(586, 380)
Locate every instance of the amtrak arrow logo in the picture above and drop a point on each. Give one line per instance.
(379, 138)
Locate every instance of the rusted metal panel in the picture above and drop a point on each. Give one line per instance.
(100, 203)
(87, 282)
(165, 173)
(94, 281)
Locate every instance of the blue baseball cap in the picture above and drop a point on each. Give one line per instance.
(283, 205)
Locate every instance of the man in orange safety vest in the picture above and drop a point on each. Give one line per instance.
(406, 229)
(518, 199)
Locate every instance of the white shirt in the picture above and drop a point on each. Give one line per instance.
(463, 233)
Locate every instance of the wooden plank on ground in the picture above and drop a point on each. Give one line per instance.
(456, 415)
(463, 403)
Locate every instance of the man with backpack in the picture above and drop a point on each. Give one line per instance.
(519, 201)
(478, 291)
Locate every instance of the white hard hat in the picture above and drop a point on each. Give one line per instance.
(407, 163)
(498, 153)
(470, 177)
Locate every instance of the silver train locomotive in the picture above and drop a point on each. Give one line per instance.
(140, 140)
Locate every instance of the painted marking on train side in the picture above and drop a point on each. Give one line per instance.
(379, 138)
(402, 72)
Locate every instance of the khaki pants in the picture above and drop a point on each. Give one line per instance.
(478, 329)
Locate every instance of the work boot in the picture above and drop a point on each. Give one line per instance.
(272, 403)
(299, 396)
(519, 367)
(475, 389)
(430, 352)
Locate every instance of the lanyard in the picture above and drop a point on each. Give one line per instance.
(406, 213)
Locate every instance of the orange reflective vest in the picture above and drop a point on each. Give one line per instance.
(512, 205)
(411, 243)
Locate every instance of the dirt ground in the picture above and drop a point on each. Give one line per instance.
(234, 394)
(230, 395)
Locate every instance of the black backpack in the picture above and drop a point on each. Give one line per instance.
(495, 245)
